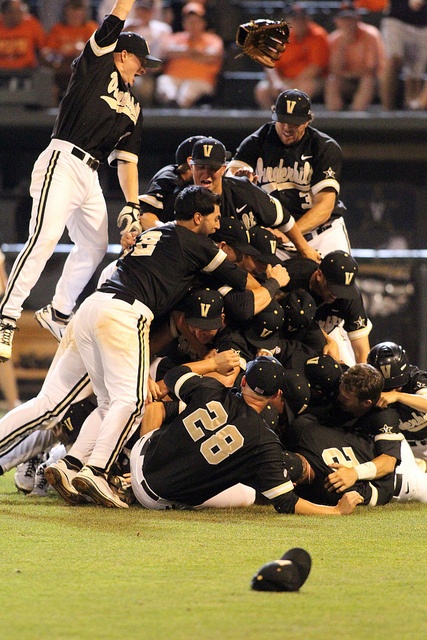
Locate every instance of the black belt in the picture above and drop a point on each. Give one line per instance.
(124, 297)
(93, 163)
(319, 230)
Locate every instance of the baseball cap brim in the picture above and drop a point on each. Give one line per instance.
(262, 343)
(340, 290)
(205, 323)
(151, 62)
(269, 258)
(246, 248)
(289, 119)
(211, 162)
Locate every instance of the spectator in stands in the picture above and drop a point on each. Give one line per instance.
(153, 31)
(404, 29)
(49, 12)
(193, 60)
(21, 36)
(304, 66)
(356, 61)
(374, 10)
(65, 42)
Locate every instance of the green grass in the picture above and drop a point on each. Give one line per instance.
(71, 573)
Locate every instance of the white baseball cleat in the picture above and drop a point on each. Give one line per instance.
(7, 329)
(60, 477)
(48, 319)
(97, 488)
(26, 472)
(41, 484)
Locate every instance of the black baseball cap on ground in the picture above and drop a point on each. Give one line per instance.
(185, 149)
(340, 271)
(233, 232)
(287, 574)
(293, 107)
(264, 328)
(210, 152)
(204, 308)
(264, 375)
(136, 44)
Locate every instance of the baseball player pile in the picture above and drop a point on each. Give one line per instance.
(223, 353)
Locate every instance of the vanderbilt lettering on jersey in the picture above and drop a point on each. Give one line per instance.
(122, 101)
(284, 177)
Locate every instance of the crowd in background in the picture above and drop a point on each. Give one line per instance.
(346, 56)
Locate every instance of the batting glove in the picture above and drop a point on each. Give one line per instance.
(129, 217)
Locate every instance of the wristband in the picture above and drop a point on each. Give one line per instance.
(134, 205)
(366, 471)
(272, 286)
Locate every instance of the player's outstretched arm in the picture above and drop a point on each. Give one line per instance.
(345, 506)
(122, 8)
(413, 400)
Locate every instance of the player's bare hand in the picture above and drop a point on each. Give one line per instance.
(311, 253)
(341, 478)
(387, 397)
(153, 391)
(349, 502)
(127, 240)
(279, 273)
(226, 361)
(246, 172)
(280, 236)
(331, 349)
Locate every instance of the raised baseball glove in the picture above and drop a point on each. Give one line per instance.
(263, 40)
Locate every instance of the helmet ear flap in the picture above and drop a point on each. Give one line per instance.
(391, 361)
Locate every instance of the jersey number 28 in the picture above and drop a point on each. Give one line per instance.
(227, 438)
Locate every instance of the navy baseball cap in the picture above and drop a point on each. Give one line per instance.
(185, 149)
(293, 107)
(299, 310)
(136, 44)
(266, 243)
(287, 574)
(264, 328)
(323, 373)
(204, 308)
(210, 152)
(340, 271)
(296, 391)
(264, 375)
(233, 232)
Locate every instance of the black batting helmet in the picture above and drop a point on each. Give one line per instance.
(392, 362)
